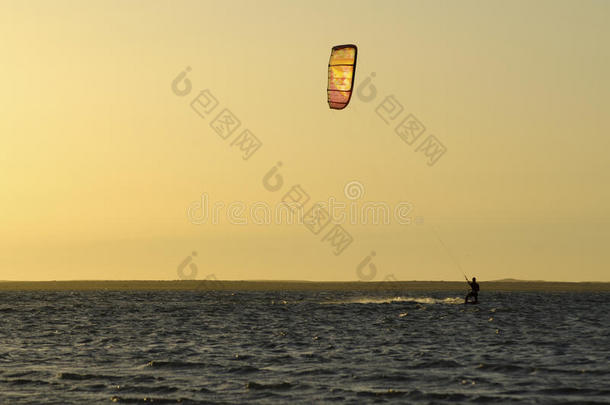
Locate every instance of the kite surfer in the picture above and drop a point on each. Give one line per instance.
(474, 291)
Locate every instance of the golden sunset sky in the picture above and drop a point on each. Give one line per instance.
(100, 159)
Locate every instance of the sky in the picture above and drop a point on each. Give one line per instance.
(108, 156)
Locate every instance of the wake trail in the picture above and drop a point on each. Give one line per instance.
(417, 300)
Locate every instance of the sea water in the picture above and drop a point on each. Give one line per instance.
(303, 347)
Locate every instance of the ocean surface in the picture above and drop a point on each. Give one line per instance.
(303, 347)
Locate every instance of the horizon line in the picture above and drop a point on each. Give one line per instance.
(505, 280)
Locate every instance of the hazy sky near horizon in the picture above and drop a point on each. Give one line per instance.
(100, 160)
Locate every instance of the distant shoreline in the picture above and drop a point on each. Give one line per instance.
(219, 285)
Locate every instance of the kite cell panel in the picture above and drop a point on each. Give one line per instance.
(341, 73)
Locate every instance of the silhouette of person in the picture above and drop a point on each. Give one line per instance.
(474, 291)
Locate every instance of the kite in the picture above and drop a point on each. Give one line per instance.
(341, 73)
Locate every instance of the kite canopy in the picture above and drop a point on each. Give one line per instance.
(341, 72)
